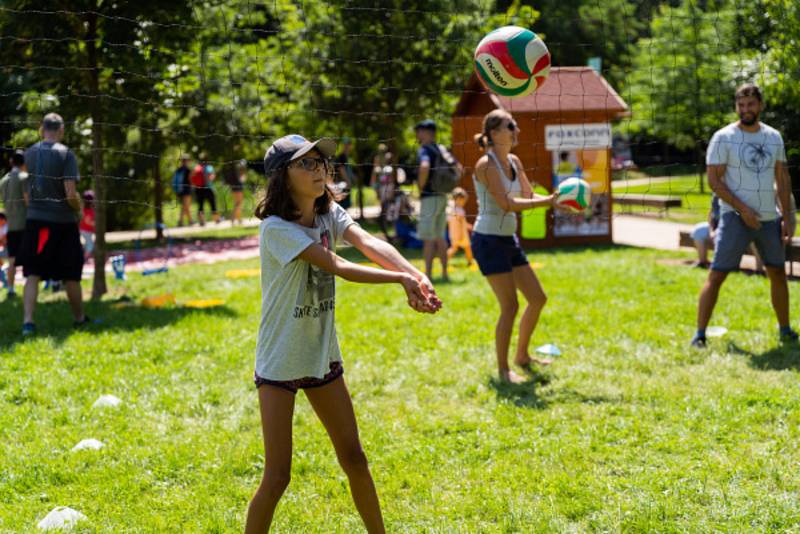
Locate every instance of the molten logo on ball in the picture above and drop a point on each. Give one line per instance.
(495, 72)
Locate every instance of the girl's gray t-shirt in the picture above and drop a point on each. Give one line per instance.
(297, 334)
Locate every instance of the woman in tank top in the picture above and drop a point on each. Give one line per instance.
(502, 190)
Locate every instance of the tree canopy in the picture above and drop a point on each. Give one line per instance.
(141, 82)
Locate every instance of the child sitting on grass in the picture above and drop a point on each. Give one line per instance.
(297, 347)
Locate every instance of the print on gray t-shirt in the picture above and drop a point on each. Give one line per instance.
(750, 166)
(49, 164)
(297, 333)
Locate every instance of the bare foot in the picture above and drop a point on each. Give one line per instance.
(526, 361)
(510, 377)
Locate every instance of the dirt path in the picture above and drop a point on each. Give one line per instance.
(180, 254)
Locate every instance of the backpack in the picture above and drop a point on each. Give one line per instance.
(177, 182)
(445, 174)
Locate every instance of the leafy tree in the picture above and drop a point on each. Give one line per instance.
(780, 70)
(95, 63)
(576, 30)
(684, 75)
(321, 68)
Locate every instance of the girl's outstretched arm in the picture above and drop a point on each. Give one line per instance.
(329, 261)
(388, 257)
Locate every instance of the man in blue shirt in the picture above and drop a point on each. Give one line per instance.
(433, 206)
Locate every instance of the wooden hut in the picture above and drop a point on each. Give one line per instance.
(565, 130)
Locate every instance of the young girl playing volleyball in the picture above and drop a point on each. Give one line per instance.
(297, 346)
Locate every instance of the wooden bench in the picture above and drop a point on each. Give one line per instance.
(792, 249)
(651, 201)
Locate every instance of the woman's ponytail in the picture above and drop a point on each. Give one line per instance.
(492, 120)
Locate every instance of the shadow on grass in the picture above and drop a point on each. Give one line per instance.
(54, 320)
(781, 358)
(523, 395)
(566, 396)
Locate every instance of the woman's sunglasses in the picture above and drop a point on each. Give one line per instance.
(312, 164)
(511, 125)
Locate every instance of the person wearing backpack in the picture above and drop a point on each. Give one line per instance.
(438, 175)
(183, 189)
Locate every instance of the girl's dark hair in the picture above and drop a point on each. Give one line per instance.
(492, 120)
(278, 201)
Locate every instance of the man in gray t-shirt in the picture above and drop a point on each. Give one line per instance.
(53, 167)
(51, 247)
(746, 167)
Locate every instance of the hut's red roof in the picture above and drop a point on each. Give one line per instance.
(567, 89)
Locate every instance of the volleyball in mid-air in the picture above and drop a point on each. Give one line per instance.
(512, 61)
(574, 194)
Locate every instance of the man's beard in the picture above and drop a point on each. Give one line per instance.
(748, 122)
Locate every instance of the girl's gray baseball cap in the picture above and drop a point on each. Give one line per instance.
(292, 147)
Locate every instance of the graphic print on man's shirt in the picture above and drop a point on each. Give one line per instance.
(318, 295)
(756, 156)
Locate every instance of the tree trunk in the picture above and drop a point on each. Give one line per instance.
(698, 160)
(360, 183)
(158, 191)
(99, 287)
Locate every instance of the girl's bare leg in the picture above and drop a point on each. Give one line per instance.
(277, 409)
(527, 282)
(332, 404)
(506, 292)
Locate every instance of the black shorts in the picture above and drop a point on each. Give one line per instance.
(52, 251)
(336, 370)
(201, 194)
(13, 242)
(497, 254)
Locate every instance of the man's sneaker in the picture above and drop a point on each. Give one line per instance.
(699, 342)
(28, 329)
(83, 322)
(11, 295)
(789, 337)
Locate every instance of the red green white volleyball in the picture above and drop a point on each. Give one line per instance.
(574, 194)
(512, 61)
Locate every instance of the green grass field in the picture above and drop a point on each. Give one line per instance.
(695, 205)
(630, 430)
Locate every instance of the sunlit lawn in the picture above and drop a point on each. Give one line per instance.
(630, 430)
